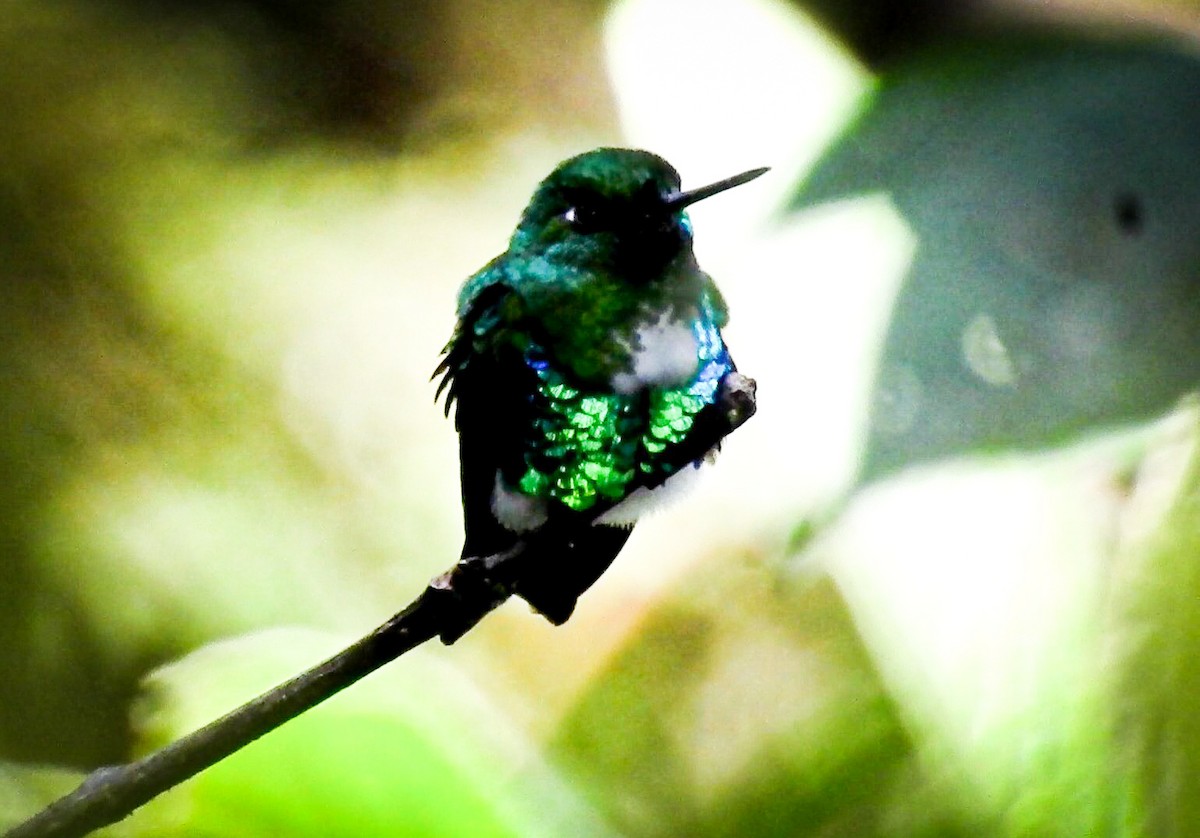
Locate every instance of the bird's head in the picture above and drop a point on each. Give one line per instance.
(613, 209)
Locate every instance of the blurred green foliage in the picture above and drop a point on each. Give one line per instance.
(87, 371)
(747, 709)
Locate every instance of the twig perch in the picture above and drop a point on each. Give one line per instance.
(449, 606)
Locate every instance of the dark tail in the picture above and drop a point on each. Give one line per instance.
(561, 565)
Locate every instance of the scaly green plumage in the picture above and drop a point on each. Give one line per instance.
(597, 442)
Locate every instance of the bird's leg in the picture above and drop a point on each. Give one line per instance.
(474, 587)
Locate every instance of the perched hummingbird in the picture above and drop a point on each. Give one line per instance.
(582, 354)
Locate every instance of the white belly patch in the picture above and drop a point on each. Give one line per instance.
(515, 510)
(641, 501)
(664, 355)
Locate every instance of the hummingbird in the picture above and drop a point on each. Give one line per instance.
(580, 356)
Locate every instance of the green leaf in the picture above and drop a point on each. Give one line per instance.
(1051, 186)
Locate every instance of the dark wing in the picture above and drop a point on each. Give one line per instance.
(566, 558)
(487, 382)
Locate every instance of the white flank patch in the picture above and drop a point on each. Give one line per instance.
(516, 511)
(640, 501)
(664, 354)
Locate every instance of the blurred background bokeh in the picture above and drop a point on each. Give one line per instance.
(945, 583)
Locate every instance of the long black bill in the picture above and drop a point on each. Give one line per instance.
(682, 199)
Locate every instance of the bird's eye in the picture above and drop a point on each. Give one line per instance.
(583, 218)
